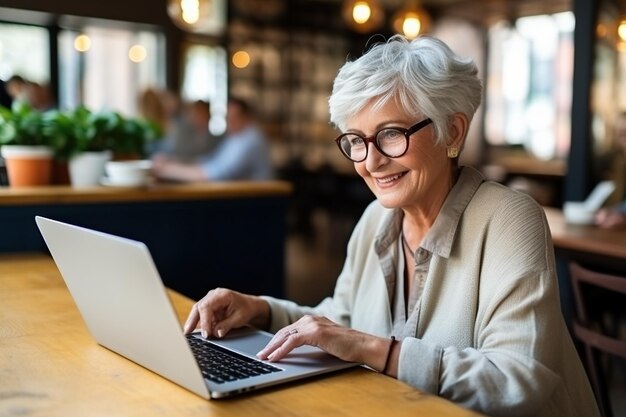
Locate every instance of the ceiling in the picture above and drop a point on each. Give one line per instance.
(487, 11)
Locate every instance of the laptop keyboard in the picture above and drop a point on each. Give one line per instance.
(222, 365)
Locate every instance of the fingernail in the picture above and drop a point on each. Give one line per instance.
(204, 334)
(220, 333)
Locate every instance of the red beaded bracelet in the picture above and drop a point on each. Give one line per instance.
(391, 343)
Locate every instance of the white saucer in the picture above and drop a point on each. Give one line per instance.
(108, 183)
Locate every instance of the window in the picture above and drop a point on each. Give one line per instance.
(109, 68)
(24, 51)
(529, 86)
(205, 78)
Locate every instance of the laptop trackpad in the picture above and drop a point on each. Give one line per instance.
(246, 340)
(250, 341)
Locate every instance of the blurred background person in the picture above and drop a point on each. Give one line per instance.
(200, 141)
(186, 128)
(36, 95)
(151, 107)
(39, 96)
(243, 154)
(16, 87)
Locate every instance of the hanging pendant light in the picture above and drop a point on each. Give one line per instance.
(412, 20)
(363, 15)
(620, 39)
(198, 16)
(621, 29)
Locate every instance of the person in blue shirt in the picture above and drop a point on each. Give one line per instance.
(242, 155)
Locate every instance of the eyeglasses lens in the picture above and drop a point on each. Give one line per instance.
(392, 142)
(354, 147)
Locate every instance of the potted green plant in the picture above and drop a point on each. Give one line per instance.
(71, 134)
(126, 137)
(87, 140)
(25, 149)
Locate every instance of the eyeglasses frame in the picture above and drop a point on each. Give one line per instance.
(372, 139)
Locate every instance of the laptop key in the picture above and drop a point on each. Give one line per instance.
(221, 365)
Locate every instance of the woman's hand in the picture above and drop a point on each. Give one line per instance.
(610, 219)
(222, 310)
(169, 169)
(344, 343)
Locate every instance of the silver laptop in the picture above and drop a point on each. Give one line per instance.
(123, 301)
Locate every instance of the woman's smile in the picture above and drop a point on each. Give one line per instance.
(389, 180)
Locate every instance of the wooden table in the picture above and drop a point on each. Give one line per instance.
(587, 243)
(196, 233)
(50, 366)
(596, 248)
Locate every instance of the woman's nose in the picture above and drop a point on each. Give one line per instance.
(374, 159)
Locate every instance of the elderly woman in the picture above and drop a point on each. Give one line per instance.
(449, 283)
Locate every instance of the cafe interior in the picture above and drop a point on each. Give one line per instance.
(554, 74)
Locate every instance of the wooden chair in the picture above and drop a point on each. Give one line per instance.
(595, 341)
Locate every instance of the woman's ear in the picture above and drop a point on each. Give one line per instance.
(457, 132)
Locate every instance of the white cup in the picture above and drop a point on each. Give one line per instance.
(577, 212)
(128, 173)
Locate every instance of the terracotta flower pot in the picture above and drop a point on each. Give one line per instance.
(27, 165)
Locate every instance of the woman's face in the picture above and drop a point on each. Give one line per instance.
(420, 178)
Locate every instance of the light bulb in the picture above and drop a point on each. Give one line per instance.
(361, 12)
(82, 43)
(198, 16)
(190, 11)
(411, 21)
(137, 53)
(411, 26)
(241, 59)
(621, 30)
(363, 16)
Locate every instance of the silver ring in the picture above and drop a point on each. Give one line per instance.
(293, 331)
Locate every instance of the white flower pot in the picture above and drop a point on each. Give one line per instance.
(87, 168)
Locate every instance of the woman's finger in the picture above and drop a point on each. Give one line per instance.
(192, 319)
(289, 336)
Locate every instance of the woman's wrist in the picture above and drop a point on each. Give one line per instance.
(392, 343)
(377, 353)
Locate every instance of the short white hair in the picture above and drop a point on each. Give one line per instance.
(423, 75)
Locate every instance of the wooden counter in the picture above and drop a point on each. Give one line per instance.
(154, 192)
(200, 235)
(52, 367)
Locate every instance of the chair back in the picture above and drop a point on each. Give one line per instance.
(594, 338)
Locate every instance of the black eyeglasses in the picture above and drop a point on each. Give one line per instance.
(392, 142)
